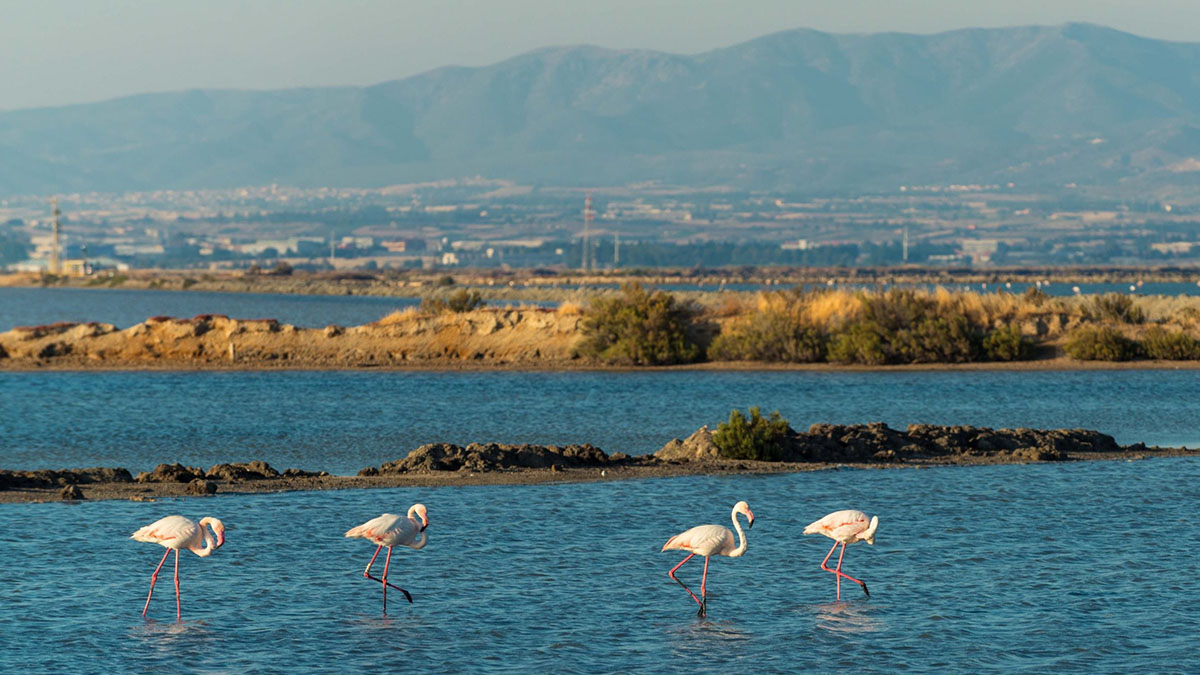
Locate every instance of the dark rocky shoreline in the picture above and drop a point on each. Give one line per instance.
(822, 446)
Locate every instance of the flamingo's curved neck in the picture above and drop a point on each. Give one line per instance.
(210, 544)
(741, 548)
(420, 544)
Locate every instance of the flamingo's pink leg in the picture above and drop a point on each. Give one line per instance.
(367, 574)
(154, 578)
(825, 567)
(839, 574)
(703, 590)
(178, 604)
(676, 579)
(386, 562)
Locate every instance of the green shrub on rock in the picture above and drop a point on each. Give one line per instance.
(755, 437)
(640, 328)
(1101, 344)
(1159, 344)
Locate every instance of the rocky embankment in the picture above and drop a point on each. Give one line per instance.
(411, 338)
(822, 446)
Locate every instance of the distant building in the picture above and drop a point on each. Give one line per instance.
(979, 250)
(1175, 247)
(403, 245)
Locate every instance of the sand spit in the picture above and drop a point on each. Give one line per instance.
(823, 446)
(486, 336)
(482, 339)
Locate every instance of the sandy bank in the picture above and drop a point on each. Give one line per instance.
(483, 339)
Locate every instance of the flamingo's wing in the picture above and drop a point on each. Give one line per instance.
(171, 529)
(702, 539)
(839, 524)
(376, 529)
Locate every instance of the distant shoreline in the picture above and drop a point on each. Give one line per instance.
(1058, 364)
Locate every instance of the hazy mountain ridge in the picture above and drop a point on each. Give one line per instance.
(794, 110)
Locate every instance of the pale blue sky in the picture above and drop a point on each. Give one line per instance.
(62, 51)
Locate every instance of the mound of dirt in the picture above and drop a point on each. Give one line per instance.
(491, 457)
(171, 473)
(879, 443)
(45, 478)
(256, 470)
(699, 445)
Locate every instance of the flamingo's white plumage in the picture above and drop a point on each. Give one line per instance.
(392, 530)
(176, 533)
(845, 527)
(707, 541)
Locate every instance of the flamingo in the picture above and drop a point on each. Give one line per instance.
(709, 540)
(391, 530)
(174, 533)
(845, 527)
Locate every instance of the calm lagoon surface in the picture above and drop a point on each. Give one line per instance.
(126, 307)
(1081, 567)
(1074, 567)
(342, 421)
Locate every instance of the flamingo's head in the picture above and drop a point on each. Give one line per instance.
(869, 534)
(218, 529)
(744, 508)
(419, 510)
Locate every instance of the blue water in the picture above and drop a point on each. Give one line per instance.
(1085, 567)
(123, 308)
(344, 421)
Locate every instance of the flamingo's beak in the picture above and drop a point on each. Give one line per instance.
(424, 524)
(220, 538)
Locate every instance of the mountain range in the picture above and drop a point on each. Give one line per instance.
(798, 111)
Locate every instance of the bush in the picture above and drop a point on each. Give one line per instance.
(860, 343)
(444, 281)
(1007, 344)
(1159, 344)
(938, 339)
(1114, 307)
(461, 300)
(770, 336)
(640, 328)
(1035, 296)
(1101, 344)
(753, 438)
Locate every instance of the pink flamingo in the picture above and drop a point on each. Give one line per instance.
(709, 540)
(177, 532)
(391, 530)
(845, 527)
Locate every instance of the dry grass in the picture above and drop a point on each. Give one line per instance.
(832, 308)
(401, 316)
(569, 308)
